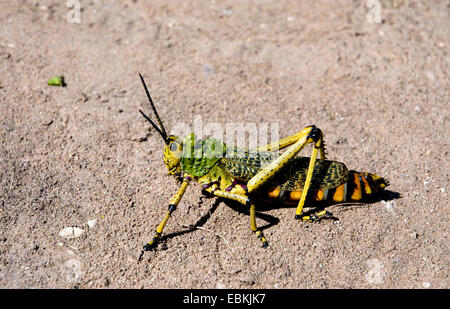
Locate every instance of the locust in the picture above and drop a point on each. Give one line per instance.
(251, 176)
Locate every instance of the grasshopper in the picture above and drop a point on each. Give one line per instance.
(248, 176)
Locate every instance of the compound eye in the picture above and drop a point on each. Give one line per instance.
(173, 147)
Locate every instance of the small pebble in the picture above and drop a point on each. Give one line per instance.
(207, 71)
(84, 96)
(130, 191)
(91, 223)
(71, 232)
(7, 127)
(132, 259)
(47, 123)
(226, 11)
(390, 205)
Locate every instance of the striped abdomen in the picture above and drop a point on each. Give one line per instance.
(359, 186)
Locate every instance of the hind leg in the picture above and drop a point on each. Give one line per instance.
(288, 141)
(297, 141)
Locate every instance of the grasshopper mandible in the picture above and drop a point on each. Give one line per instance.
(258, 175)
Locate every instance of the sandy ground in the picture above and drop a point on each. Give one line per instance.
(72, 155)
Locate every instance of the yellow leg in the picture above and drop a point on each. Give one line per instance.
(272, 169)
(288, 141)
(172, 206)
(319, 215)
(283, 143)
(312, 163)
(318, 146)
(298, 141)
(245, 201)
(255, 228)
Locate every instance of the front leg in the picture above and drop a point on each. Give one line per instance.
(172, 207)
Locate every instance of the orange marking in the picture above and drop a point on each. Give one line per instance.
(338, 195)
(357, 194)
(295, 195)
(366, 185)
(274, 193)
(319, 195)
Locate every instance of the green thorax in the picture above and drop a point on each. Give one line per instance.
(199, 156)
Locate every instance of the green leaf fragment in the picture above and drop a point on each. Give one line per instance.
(57, 81)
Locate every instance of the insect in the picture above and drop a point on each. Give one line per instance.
(248, 176)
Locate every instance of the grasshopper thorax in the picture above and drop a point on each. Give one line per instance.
(191, 155)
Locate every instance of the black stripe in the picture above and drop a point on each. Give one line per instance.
(351, 186)
(372, 184)
(283, 195)
(363, 189)
(331, 192)
(344, 199)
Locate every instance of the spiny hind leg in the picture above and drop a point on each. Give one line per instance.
(245, 200)
(317, 138)
(308, 135)
(298, 142)
(288, 141)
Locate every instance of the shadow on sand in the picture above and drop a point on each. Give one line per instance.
(385, 195)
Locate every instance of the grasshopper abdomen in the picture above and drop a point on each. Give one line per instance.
(359, 186)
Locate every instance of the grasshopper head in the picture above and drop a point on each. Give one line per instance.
(172, 155)
(173, 149)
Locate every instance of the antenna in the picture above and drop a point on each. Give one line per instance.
(159, 129)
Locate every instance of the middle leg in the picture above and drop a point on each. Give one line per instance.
(244, 200)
